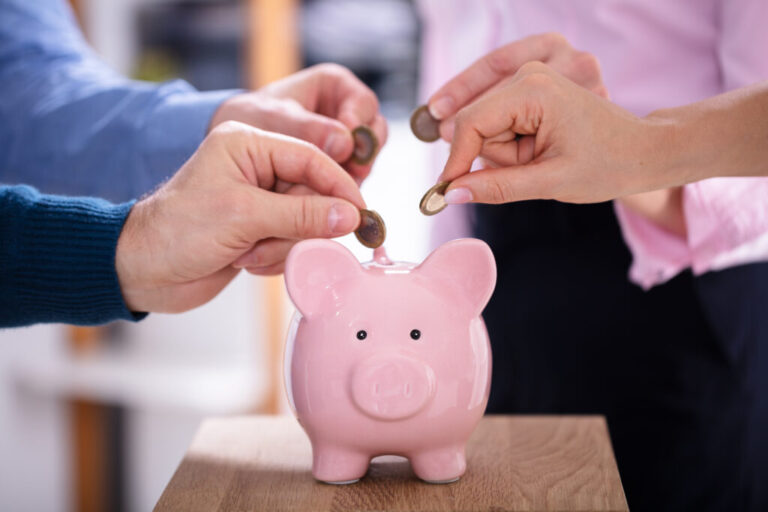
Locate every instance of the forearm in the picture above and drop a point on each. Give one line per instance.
(57, 259)
(71, 125)
(726, 135)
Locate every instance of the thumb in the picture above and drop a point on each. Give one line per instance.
(330, 135)
(504, 184)
(301, 216)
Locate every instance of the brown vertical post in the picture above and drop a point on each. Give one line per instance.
(88, 420)
(272, 53)
(89, 431)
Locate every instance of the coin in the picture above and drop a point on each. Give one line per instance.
(434, 200)
(372, 231)
(424, 126)
(366, 145)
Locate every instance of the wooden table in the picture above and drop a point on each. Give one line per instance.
(513, 463)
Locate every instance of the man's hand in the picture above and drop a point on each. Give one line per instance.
(576, 146)
(242, 199)
(498, 67)
(321, 105)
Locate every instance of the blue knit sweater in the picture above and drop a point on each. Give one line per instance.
(57, 259)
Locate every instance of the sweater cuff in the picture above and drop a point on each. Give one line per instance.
(57, 259)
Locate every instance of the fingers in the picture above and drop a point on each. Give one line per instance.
(582, 68)
(490, 69)
(505, 150)
(328, 134)
(266, 158)
(265, 253)
(517, 108)
(272, 270)
(343, 96)
(297, 217)
(504, 184)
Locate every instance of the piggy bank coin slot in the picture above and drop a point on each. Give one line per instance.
(380, 256)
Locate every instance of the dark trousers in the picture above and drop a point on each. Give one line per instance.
(680, 371)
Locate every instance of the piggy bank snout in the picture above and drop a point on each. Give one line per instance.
(392, 387)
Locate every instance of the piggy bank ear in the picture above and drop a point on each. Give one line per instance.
(313, 269)
(467, 267)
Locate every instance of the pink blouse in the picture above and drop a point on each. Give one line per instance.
(654, 54)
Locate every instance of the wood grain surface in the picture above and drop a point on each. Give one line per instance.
(513, 463)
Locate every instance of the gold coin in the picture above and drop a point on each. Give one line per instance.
(372, 231)
(366, 145)
(424, 126)
(434, 200)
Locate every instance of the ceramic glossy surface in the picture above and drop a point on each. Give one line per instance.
(388, 358)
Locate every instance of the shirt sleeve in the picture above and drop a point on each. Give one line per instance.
(57, 259)
(726, 218)
(71, 125)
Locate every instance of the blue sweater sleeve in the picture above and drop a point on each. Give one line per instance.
(71, 125)
(57, 259)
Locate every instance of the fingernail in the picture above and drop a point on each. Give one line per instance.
(442, 107)
(342, 219)
(458, 196)
(335, 145)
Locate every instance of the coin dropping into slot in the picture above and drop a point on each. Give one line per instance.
(434, 200)
(372, 231)
(424, 126)
(366, 145)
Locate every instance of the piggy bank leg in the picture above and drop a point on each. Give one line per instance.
(440, 466)
(334, 465)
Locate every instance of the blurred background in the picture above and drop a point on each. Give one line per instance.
(98, 419)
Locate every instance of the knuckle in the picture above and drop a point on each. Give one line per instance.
(333, 69)
(227, 127)
(538, 78)
(305, 219)
(229, 131)
(498, 191)
(533, 67)
(499, 61)
(587, 62)
(555, 39)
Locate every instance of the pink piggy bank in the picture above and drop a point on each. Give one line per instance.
(388, 358)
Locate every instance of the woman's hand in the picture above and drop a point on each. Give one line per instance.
(575, 146)
(499, 66)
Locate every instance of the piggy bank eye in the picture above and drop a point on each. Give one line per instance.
(415, 334)
(361, 335)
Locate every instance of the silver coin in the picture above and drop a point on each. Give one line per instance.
(372, 231)
(366, 145)
(434, 200)
(424, 126)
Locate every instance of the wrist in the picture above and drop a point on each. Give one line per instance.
(128, 256)
(678, 147)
